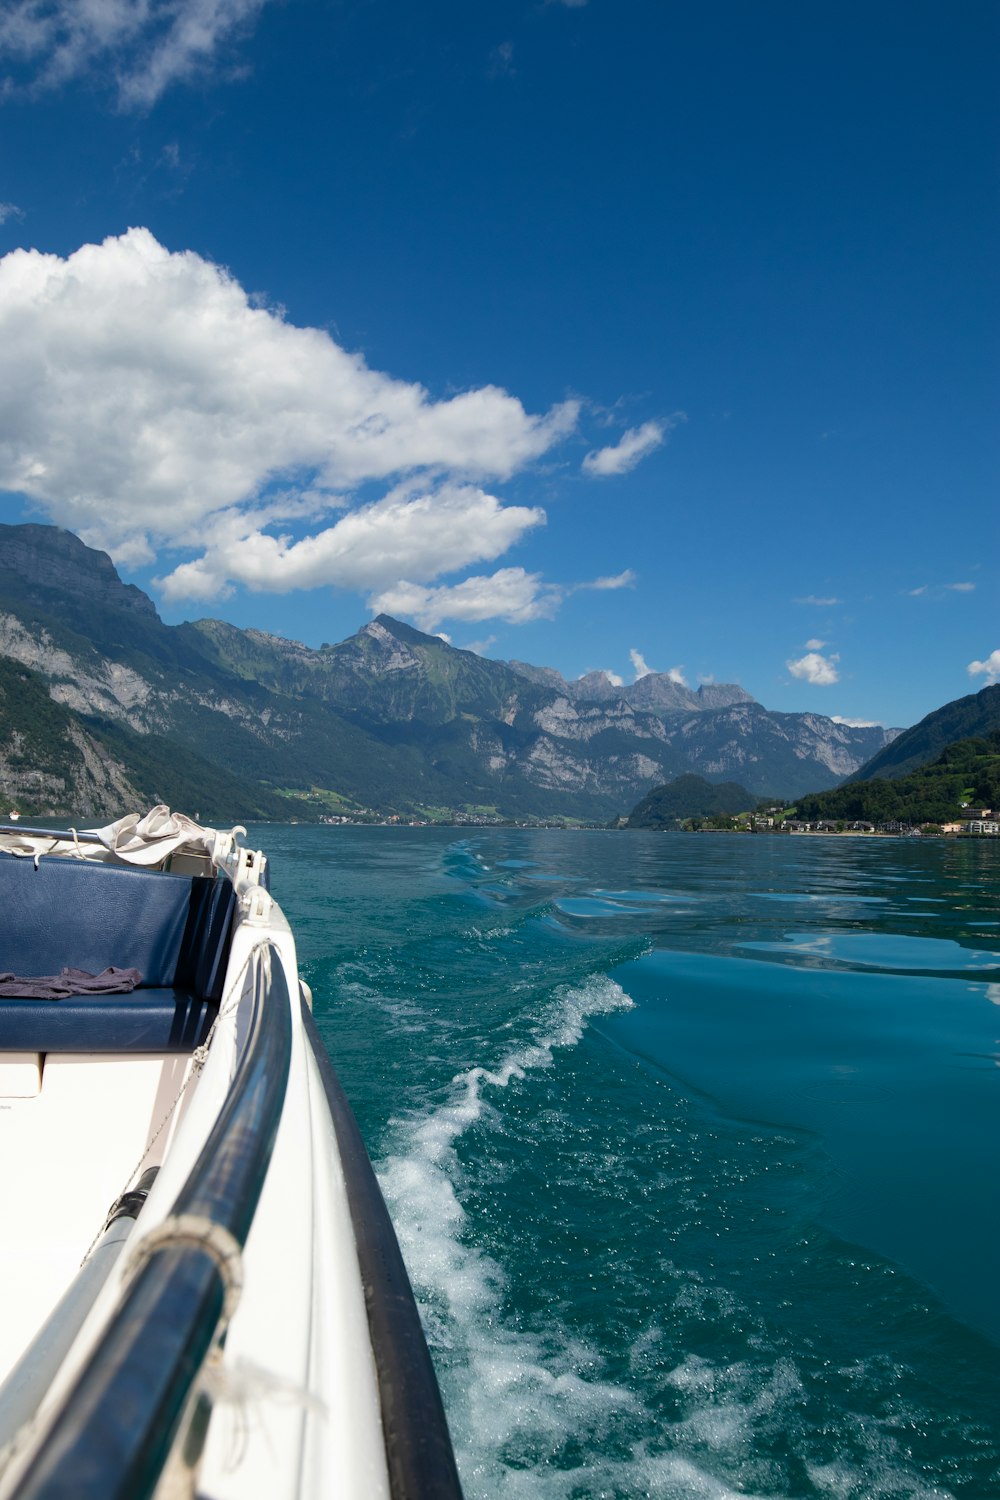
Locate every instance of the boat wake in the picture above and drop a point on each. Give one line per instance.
(513, 1395)
(537, 1408)
(532, 1415)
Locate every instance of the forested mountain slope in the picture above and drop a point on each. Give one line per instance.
(967, 771)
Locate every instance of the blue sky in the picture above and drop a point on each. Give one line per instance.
(600, 335)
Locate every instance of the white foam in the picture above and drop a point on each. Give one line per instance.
(878, 1481)
(518, 1392)
(732, 1401)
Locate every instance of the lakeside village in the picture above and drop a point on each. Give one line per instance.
(976, 822)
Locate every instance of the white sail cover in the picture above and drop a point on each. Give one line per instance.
(148, 838)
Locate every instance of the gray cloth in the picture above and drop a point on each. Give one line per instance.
(68, 982)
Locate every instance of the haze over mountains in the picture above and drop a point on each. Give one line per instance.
(238, 723)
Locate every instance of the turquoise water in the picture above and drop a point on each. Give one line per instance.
(691, 1144)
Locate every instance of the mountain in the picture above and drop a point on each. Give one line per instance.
(967, 771)
(688, 797)
(390, 720)
(54, 761)
(773, 754)
(656, 692)
(976, 714)
(486, 735)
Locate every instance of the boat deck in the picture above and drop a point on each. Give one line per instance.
(67, 1151)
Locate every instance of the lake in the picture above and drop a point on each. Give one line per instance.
(690, 1142)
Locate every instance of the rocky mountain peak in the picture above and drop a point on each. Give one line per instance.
(712, 695)
(384, 626)
(47, 560)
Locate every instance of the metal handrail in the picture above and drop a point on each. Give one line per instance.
(114, 1431)
(64, 835)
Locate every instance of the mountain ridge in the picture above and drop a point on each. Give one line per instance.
(962, 718)
(391, 720)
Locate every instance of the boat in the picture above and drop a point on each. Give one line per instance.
(201, 1292)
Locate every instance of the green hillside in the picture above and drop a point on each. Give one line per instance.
(967, 771)
(689, 797)
(976, 714)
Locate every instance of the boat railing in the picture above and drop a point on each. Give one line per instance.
(59, 835)
(114, 1431)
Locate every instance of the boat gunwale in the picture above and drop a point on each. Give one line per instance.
(419, 1454)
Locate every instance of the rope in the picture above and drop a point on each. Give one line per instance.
(211, 1238)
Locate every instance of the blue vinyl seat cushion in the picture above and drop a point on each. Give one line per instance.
(147, 1020)
(175, 929)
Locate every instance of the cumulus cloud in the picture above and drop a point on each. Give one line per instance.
(855, 723)
(141, 46)
(10, 211)
(990, 668)
(643, 669)
(147, 402)
(631, 448)
(425, 534)
(816, 599)
(815, 645)
(510, 594)
(819, 670)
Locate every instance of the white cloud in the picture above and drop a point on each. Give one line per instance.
(938, 590)
(815, 645)
(631, 448)
(480, 647)
(624, 580)
(146, 401)
(510, 594)
(855, 723)
(643, 669)
(10, 211)
(423, 534)
(990, 668)
(143, 46)
(815, 599)
(814, 668)
(502, 61)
